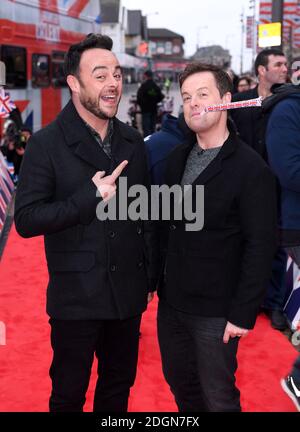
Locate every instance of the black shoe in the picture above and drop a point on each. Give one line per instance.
(293, 391)
(278, 320)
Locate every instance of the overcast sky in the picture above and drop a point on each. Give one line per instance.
(204, 21)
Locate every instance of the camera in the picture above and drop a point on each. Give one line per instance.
(19, 140)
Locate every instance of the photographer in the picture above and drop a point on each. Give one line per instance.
(16, 145)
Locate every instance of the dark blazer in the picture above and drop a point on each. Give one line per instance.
(223, 269)
(250, 122)
(97, 269)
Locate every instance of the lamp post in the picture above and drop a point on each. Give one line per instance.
(277, 15)
(149, 54)
(252, 5)
(242, 40)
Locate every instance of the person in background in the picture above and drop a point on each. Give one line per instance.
(283, 146)
(160, 144)
(243, 84)
(148, 96)
(270, 68)
(16, 149)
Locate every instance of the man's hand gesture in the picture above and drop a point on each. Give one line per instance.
(106, 185)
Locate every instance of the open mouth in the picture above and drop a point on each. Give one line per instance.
(109, 98)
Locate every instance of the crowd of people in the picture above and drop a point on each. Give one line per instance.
(211, 283)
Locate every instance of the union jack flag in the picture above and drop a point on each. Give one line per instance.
(6, 105)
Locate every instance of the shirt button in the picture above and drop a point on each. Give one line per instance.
(173, 227)
(113, 268)
(140, 264)
(112, 234)
(139, 230)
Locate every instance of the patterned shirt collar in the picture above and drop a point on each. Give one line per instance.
(106, 143)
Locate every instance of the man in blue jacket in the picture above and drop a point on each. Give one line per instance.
(160, 144)
(283, 146)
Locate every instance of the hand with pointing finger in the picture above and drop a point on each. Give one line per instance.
(106, 185)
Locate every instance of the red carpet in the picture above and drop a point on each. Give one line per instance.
(264, 356)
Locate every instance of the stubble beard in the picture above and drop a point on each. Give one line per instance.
(93, 107)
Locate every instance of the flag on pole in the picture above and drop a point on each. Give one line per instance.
(6, 104)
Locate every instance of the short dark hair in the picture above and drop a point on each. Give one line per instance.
(26, 129)
(241, 78)
(148, 73)
(223, 80)
(73, 56)
(262, 58)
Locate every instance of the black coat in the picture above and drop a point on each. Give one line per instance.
(148, 96)
(97, 270)
(251, 123)
(223, 269)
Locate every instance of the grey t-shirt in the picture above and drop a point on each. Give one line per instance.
(197, 161)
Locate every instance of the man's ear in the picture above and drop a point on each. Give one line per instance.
(226, 98)
(261, 70)
(73, 83)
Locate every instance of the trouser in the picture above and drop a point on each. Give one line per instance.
(199, 367)
(74, 344)
(276, 294)
(148, 123)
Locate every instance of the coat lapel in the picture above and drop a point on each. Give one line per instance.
(80, 140)
(122, 145)
(215, 166)
(175, 168)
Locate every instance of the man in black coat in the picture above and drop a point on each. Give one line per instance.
(101, 272)
(214, 277)
(148, 96)
(271, 69)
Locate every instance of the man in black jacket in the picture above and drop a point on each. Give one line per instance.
(101, 273)
(148, 96)
(214, 278)
(270, 69)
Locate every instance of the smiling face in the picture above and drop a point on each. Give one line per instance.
(198, 91)
(98, 86)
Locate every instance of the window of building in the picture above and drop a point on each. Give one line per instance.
(153, 47)
(40, 70)
(160, 49)
(168, 48)
(58, 75)
(16, 66)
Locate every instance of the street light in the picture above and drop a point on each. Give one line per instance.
(252, 5)
(242, 20)
(149, 54)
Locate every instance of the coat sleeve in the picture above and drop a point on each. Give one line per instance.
(36, 211)
(283, 145)
(258, 214)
